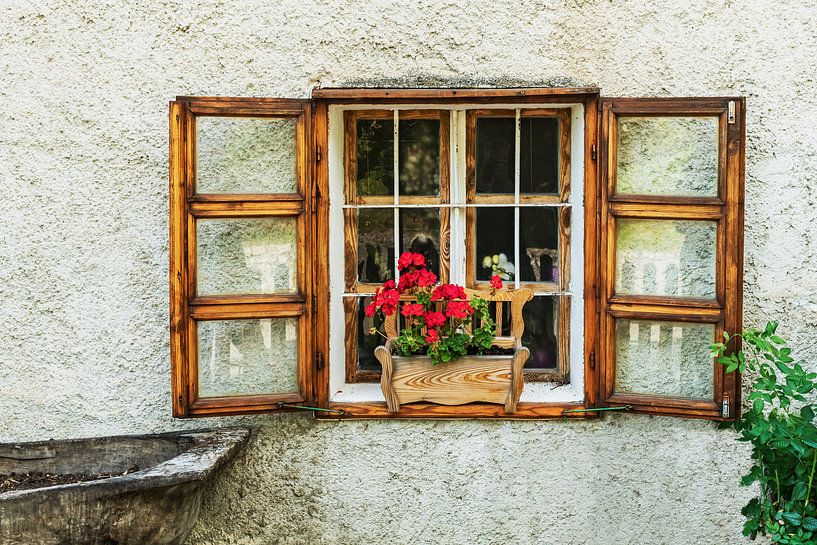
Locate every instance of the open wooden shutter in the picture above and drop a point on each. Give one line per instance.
(240, 254)
(671, 253)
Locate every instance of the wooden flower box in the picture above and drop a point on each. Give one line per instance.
(468, 379)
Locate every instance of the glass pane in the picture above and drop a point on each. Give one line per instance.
(419, 157)
(375, 157)
(665, 257)
(539, 244)
(495, 243)
(245, 155)
(667, 156)
(420, 233)
(246, 256)
(367, 342)
(375, 244)
(539, 156)
(495, 149)
(541, 317)
(664, 358)
(244, 357)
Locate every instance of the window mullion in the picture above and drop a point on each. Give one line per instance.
(516, 182)
(396, 177)
(458, 192)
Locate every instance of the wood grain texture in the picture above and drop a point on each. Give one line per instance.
(563, 340)
(186, 309)
(469, 379)
(565, 215)
(321, 258)
(518, 361)
(177, 262)
(592, 226)
(420, 410)
(350, 248)
(565, 138)
(383, 355)
(724, 209)
(479, 95)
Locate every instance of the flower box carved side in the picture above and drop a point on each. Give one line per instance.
(490, 379)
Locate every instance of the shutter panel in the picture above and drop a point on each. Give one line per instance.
(671, 253)
(241, 230)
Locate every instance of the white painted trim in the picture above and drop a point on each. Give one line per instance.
(542, 392)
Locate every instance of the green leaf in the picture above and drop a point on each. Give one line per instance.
(810, 524)
(792, 518)
(799, 491)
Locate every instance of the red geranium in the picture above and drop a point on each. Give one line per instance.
(412, 309)
(409, 259)
(441, 333)
(408, 280)
(426, 278)
(448, 292)
(434, 319)
(459, 310)
(385, 300)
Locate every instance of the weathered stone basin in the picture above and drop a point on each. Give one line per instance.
(157, 505)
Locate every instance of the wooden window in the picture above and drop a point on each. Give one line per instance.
(519, 210)
(516, 207)
(671, 253)
(241, 235)
(276, 203)
(396, 188)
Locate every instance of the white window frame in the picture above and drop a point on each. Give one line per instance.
(539, 392)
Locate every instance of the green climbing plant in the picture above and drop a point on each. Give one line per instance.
(779, 425)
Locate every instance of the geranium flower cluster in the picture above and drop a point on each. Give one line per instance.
(438, 319)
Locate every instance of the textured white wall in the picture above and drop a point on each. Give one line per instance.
(83, 290)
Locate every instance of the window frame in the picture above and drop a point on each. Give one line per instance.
(588, 97)
(560, 200)
(601, 207)
(186, 308)
(725, 310)
(352, 203)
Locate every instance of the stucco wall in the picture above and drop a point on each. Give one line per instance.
(83, 268)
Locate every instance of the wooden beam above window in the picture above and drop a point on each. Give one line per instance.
(472, 95)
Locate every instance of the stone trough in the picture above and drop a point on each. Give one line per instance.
(157, 505)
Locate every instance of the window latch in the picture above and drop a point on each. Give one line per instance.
(730, 112)
(726, 410)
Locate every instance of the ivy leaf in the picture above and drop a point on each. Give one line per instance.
(810, 524)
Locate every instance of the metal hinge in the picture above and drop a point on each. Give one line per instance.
(318, 154)
(726, 409)
(593, 152)
(730, 112)
(592, 360)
